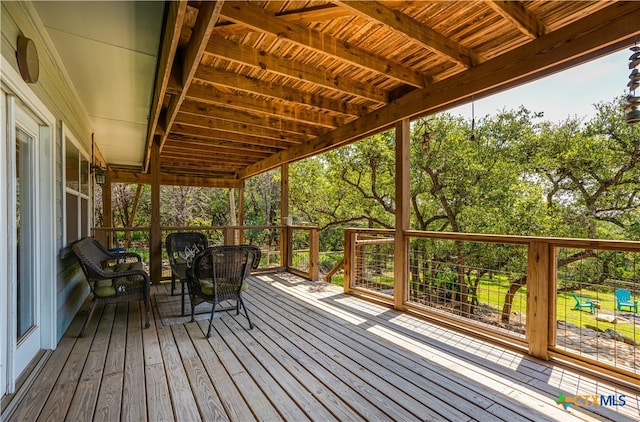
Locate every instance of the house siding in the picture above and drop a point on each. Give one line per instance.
(56, 93)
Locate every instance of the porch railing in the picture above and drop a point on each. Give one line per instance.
(291, 248)
(523, 291)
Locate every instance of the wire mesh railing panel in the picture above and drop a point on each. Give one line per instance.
(300, 250)
(483, 282)
(374, 266)
(597, 306)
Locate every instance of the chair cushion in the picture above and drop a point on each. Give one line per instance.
(127, 266)
(206, 286)
(104, 288)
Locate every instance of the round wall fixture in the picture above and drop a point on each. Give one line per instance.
(28, 60)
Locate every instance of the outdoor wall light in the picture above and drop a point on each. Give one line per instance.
(99, 174)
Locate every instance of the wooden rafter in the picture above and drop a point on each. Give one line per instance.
(282, 109)
(268, 83)
(557, 50)
(258, 59)
(257, 18)
(207, 17)
(250, 118)
(516, 13)
(223, 78)
(175, 17)
(416, 31)
(230, 126)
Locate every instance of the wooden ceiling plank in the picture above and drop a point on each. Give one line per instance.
(199, 151)
(207, 17)
(202, 166)
(305, 16)
(214, 134)
(414, 30)
(213, 123)
(243, 83)
(215, 145)
(170, 38)
(259, 19)
(178, 145)
(243, 116)
(210, 95)
(516, 12)
(244, 54)
(219, 158)
(597, 34)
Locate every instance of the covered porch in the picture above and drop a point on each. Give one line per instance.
(242, 88)
(314, 354)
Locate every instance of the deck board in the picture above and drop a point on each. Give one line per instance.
(314, 354)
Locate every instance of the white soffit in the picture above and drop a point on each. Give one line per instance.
(109, 50)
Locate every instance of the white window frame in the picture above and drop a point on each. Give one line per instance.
(67, 135)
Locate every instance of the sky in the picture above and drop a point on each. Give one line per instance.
(565, 94)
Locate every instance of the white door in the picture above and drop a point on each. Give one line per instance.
(24, 286)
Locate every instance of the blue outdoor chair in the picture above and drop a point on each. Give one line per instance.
(583, 303)
(623, 299)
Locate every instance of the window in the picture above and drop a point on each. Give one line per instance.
(76, 192)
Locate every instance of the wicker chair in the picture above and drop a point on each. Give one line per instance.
(218, 275)
(112, 277)
(176, 244)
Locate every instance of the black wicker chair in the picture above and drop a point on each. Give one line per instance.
(176, 244)
(218, 275)
(112, 277)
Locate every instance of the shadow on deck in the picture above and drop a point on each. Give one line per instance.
(314, 354)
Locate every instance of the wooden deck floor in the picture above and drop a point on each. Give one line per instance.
(314, 354)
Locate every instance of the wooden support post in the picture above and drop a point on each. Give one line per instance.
(552, 296)
(538, 270)
(314, 254)
(132, 216)
(155, 247)
(285, 240)
(288, 250)
(229, 235)
(401, 247)
(349, 258)
(241, 213)
(107, 214)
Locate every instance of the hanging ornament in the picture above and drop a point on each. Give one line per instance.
(632, 107)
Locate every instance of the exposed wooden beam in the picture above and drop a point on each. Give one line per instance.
(254, 16)
(170, 38)
(415, 31)
(516, 12)
(167, 179)
(213, 123)
(201, 167)
(177, 141)
(595, 35)
(307, 15)
(210, 95)
(248, 117)
(233, 80)
(202, 156)
(213, 134)
(245, 55)
(318, 14)
(207, 16)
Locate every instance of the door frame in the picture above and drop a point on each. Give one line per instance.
(14, 90)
